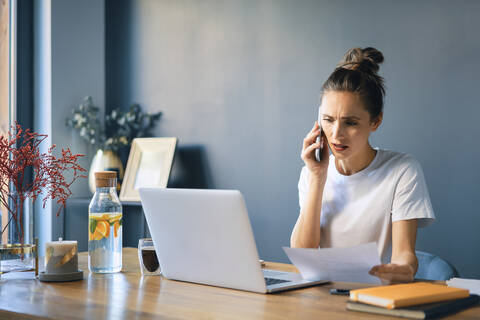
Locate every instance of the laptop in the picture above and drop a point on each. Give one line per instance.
(205, 236)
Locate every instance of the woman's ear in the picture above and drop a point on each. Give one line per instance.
(376, 123)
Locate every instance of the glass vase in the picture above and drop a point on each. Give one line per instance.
(17, 249)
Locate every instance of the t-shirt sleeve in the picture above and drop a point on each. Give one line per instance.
(411, 199)
(303, 187)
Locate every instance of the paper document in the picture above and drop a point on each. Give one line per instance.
(471, 284)
(349, 264)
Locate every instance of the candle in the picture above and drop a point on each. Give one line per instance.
(61, 257)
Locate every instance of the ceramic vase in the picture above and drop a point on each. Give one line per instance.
(105, 160)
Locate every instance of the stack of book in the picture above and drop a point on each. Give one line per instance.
(419, 300)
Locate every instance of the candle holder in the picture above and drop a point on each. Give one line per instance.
(61, 262)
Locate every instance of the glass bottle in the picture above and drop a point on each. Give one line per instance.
(105, 225)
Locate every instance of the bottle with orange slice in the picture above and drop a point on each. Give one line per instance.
(105, 225)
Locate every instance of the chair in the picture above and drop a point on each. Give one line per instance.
(432, 267)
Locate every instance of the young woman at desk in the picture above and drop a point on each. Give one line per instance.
(360, 194)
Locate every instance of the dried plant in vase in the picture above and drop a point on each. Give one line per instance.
(20, 157)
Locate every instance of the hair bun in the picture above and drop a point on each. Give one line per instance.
(366, 60)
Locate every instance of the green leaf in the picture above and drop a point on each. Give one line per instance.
(93, 225)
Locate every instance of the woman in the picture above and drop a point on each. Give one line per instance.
(360, 194)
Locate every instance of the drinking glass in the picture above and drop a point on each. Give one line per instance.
(147, 258)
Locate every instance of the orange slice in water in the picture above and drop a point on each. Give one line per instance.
(103, 228)
(97, 235)
(112, 219)
(116, 226)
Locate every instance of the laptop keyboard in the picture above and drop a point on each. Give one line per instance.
(271, 281)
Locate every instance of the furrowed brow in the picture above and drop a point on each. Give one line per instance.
(347, 117)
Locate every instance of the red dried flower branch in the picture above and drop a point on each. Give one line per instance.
(21, 151)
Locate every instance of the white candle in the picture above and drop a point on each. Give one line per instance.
(61, 257)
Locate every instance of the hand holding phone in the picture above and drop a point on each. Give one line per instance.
(318, 151)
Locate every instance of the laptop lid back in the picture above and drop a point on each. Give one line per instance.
(203, 236)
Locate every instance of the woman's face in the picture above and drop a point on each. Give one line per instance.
(346, 123)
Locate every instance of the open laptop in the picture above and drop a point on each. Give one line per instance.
(205, 236)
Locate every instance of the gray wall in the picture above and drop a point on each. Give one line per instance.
(242, 79)
(69, 64)
(78, 70)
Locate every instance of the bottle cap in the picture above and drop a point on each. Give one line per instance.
(104, 179)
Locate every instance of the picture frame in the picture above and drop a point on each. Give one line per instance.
(149, 165)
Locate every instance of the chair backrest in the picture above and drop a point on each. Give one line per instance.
(432, 267)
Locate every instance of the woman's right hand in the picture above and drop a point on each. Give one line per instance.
(317, 168)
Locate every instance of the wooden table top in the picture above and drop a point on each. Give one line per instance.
(128, 295)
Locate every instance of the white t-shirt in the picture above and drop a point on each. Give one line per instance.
(360, 208)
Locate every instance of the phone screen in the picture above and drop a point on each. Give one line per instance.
(318, 151)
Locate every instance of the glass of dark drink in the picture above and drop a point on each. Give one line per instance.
(147, 257)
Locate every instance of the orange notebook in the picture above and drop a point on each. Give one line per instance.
(404, 295)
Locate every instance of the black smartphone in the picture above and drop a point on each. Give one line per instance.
(341, 292)
(318, 151)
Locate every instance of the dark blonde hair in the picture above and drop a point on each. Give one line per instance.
(357, 72)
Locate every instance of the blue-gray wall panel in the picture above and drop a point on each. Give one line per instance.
(242, 79)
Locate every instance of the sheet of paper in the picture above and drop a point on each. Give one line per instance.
(471, 284)
(349, 264)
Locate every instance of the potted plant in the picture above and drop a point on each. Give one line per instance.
(20, 157)
(112, 136)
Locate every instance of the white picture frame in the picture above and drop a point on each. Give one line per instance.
(149, 164)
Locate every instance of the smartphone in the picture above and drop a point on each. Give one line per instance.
(318, 151)
(341, 292)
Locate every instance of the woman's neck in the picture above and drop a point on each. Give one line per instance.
(356, 163)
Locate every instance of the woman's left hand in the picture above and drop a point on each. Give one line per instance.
(393, 273)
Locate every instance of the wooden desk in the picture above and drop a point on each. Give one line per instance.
(127, 295)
